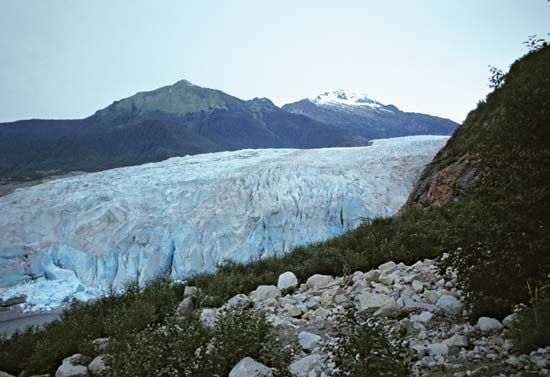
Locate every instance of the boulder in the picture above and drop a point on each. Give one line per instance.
(417, 286)
(4, 374)
(74, 366)
(191, 291)
(318, 281)
(371, 301)
(327, 298)
(372, 275)
(387, 267)
(241, 300)
(287, 280)
(488, 325)
(97, 366)
(437, 349)
(305, 365)
(208, 317)
(264, 292)
(386, 279)
(308, 341)
(450, 304)
(456, 341)
(186, 307)
(389, 310)
(509, 320)
(423, 317)
(248, 367)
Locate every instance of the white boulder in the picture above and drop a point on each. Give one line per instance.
(248, 367)
(308, 341)
(287, 280)
(450, 304)
(488, 325)
(264, 292)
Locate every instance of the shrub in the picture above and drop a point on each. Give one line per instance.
(184, 347)
(364, 350)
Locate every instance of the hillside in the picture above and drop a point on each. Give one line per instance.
(365, 117)
(480, 210)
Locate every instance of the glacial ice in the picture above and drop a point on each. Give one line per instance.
(81, 236)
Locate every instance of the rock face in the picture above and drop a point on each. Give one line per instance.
(438, 187)
(249, 367)
(80, 236)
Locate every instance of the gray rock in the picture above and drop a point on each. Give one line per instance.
(248, 367)
(488, 325)
(423, 317)
(417, 286)
(191, 291)
(208, 317)
(370, 301)
(450, 304)
(386, 279)
(437, 349)
(456, 340)
(186, 307)
(508, 321)
(264, 292)
(389, 310)
(309, 341)
(372, 275)
(387, 267)
(239, 300)
(4, 374)
(287, 280)
(74, 366)
(318, 281)
(97, 366)
(303, 366)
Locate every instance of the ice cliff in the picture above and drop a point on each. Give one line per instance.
(79, 237)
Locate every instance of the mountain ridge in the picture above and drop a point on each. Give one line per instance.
(369, 118)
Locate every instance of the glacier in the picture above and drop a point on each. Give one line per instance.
(80, 237)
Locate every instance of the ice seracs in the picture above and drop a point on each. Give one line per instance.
(81, 236)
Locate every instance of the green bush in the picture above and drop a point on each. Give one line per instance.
(531, 328)
(364, 350)
(184, 347)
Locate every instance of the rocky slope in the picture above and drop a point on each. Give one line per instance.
(81, 236)
(417, 308)
(365, 117)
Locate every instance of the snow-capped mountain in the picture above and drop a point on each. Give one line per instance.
(339, 98)
(80, 236)
(365, 117)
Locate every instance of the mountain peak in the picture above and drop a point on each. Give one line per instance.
(184, 82)
(343, 98)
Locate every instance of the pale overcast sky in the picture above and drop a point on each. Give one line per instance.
(66, 59)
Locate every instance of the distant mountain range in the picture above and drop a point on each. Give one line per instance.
(185, 119)
(364, 117)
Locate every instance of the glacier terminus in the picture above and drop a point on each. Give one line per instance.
(80, 237)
